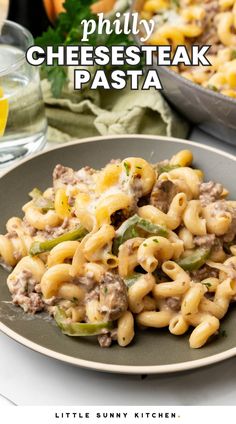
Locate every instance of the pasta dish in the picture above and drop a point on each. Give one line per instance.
(133, 245)
(201, 22)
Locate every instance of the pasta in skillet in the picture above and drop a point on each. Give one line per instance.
(130, 245)
(201, 22)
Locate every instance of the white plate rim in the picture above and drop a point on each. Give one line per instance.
(104, 367)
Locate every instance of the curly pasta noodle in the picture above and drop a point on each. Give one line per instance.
(203, 23)
(129, 246)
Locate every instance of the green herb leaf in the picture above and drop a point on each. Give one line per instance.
(58, 77)
(176, 3)
(51, 37)
(233, 55)
(213, 88)
(208, 285)
(69, 31)
(127, 168)
(167, 168)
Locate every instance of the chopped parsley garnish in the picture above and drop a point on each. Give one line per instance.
(167, 168)
(127, 168)
(139, 167)
(208, 285)
(213, 88)
(233, 55)
(69, 31)
(155, 240)
(176, 3)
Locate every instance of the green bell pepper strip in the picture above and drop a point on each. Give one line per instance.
(136, 227)
(194, 261)
(131, 279)
(78, 329)
(167, 168)
(35, 193)
(38, 247)
(41, 202)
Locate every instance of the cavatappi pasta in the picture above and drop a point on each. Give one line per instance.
(201, 22)
(131, 245)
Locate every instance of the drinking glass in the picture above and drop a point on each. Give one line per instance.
(23, 123)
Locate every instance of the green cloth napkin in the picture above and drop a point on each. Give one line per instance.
(87, 113)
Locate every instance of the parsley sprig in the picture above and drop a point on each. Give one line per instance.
(69, 31)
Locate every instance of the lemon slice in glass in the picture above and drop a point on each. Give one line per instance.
(4, 109)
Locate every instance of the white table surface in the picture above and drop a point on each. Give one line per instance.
(28, 378)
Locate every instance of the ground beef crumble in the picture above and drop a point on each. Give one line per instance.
(26, 292)
(210, 192)
(174, 303)
(205, 241)
(113, 296)
(105, 340)
(210, 35)
(162, 194)
(204, 272)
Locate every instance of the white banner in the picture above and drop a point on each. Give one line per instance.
(117, 414)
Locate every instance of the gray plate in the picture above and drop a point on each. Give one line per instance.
(212, 111)
(153, 351)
